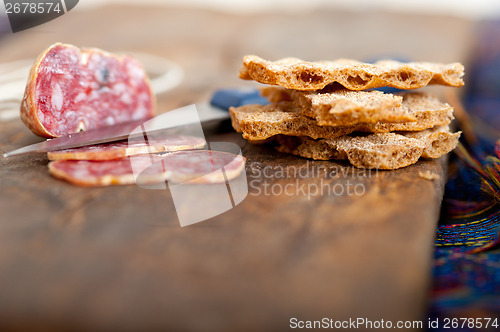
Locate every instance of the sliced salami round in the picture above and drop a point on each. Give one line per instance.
(102, 173)
(71, 90)
(122, 149)
(198, 166)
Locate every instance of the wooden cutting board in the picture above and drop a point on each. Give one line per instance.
(115, 257)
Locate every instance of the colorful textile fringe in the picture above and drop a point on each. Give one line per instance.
(467, 254)
(467, 247)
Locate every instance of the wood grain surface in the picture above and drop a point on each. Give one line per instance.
(113, 258)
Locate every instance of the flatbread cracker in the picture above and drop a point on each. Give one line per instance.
(343, 107)
(293, 73)
(378, 150)
(258, 122)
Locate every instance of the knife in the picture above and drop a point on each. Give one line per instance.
(217, 109)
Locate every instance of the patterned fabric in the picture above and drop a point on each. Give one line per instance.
(467, 253)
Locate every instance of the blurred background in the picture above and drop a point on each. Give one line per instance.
(472, 9)
(209, 38)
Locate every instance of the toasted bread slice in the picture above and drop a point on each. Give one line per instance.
(293, 73)
(341, 107)
(258, 122)
(378, 150)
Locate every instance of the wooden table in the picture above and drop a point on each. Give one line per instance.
(116, 257)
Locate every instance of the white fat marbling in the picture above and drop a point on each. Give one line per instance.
(110, 121)
(57, 97)
(80, 97)
(84, 58)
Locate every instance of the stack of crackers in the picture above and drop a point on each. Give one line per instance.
(329, 110)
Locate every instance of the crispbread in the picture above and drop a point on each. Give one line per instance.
(258, 122)
(293, 73)
(343, 107)
(378, 150)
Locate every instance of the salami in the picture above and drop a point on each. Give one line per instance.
(122, 149)
(195, 167)
(199, 166)
(102, 173)
(71, 90)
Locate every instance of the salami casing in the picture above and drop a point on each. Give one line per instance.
(71, 90)
(122, 149)
(197, 167)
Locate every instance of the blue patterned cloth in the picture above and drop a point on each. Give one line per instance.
(467, 254)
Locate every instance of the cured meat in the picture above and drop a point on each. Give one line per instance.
(102, 173)
(71, 90)
(122, 149)
(200, 166)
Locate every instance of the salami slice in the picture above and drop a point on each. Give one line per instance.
(102, 173)
(71, 90)
(200, 166)
(122, 149)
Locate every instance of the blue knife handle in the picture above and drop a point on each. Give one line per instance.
(226, 98)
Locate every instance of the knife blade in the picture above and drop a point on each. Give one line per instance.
(185, 116)
(217, 109)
